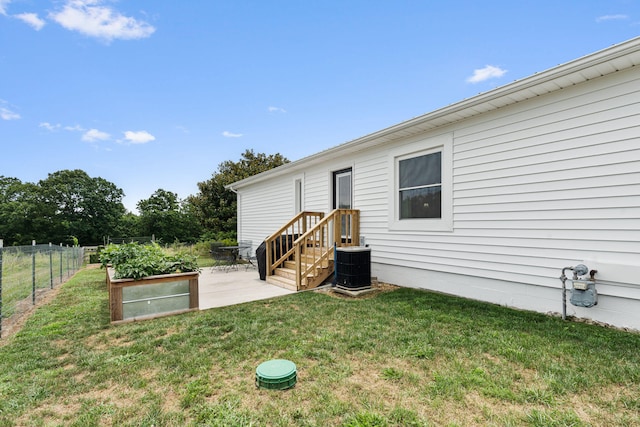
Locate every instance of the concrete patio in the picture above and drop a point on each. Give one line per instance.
(219, 288)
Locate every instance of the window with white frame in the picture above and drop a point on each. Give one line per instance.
(298, 202)
(420, 186)
(420, 197)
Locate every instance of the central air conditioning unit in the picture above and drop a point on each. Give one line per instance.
(353, 268)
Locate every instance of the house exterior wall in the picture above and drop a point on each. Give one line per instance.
(262, 210)
(543, 184)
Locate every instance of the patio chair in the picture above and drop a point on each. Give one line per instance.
(247, 254)
(224, 259)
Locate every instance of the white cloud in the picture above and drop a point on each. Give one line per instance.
(228, 134)
(138, 137)
(48, 126)
(89, 17)
(486, 73)
(3, 6)
(276, 110)
(31, 19)
(6, 113)
(55, 127)
(93, 135)
(618, 17)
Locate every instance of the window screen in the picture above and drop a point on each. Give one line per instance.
(420, 186)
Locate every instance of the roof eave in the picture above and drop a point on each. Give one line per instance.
(569, 74)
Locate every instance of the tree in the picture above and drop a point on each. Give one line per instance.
(18, 211)
(10, 195)
(214, 205)
(23, 217)
(128, 226)
(167, 218)
(77, 205)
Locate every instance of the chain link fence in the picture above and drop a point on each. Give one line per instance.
(27, 273)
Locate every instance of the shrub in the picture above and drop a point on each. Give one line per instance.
(135, 261)
(203, 247)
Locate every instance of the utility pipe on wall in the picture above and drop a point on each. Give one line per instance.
(578, 270)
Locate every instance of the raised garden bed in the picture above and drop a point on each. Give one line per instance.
(151, 296)
(144, 282)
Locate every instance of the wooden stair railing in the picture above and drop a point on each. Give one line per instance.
(279, 246)
(310, 254)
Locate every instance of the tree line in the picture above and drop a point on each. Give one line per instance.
(71, 207)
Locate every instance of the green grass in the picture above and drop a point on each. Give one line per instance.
(401, 358)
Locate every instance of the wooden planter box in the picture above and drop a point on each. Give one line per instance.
(151, 296)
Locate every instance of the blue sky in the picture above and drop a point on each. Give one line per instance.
(153, 94)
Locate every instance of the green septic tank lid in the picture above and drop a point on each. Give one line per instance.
(277, 374)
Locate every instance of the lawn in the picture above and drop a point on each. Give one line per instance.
(399, 358)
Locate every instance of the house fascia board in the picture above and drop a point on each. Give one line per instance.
(615, 58)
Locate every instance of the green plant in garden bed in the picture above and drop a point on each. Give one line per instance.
(135, 261)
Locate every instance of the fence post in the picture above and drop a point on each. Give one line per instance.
(60, 262)
(33, 271)
(51, 264)
(1, 246)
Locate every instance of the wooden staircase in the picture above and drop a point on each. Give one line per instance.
(285, 276)
(301, 254)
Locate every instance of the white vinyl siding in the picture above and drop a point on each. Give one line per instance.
(556, 180)
(545, 185)
(258, 212)
(539, 185)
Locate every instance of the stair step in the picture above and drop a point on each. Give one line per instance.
(282, 282)
(285, 276)
(292, 265)
(311, 251)
(287, 273)
(309, 259)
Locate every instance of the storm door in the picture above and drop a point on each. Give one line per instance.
(342, 196)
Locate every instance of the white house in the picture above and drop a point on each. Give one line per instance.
(491, 197)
